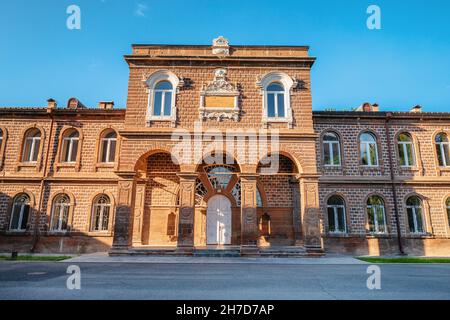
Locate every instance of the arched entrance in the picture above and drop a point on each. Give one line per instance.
(218, 221)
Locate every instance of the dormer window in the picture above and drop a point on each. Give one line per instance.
(162, 90)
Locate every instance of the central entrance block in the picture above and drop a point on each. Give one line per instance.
(218, 221)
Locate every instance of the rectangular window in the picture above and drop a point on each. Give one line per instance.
(167, 103)
(364, 154)
(271, 105)
(331, 220)
(373, 154)
(440, 155)
(341, 219)
(446, 148)
(326, 154)
(280, 105)
(15, 217)
(157, 104)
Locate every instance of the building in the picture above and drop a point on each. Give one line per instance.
(219, 149)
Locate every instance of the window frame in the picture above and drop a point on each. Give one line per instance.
(329, 145)
(373, 209)
(95, 204)
(108, 150)
(275, 101)
(367, 145)
(442, 150)
(66, 139)
(414, 211)
(288, 84)
(336, 215)
(68, 205)
(403, 145)
(21, 212)
(151, 82)
(27, 137)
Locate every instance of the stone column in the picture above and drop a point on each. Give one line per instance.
(249, 223)
(139, 208)
(186, 213)
(296, 211)
(309, 187)
(123, 223)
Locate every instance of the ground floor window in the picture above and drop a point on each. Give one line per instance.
(100, 213)
(60, 213)
(336, 215)
(415, 214)
(376, 215)
(20, 212)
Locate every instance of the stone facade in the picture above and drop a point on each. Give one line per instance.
(127, 187)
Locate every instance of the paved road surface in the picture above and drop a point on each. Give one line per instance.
(230, 280)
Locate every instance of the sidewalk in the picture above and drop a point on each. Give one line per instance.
(105, 258)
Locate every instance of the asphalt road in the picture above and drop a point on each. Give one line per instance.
(179, 281)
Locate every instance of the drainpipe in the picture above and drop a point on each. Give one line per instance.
(44, 178)
(394, 190)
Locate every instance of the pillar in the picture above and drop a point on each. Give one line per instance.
(249, 224)
(139, 207)
(310, 215)
(123, 222)
(296, 211)
(186, 213)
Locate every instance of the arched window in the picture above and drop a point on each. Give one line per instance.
(162, 99)
(406, 150)
(369, 150)
(60, 213)
(108, 145)
(20, 212)
(336, 215)
(331, 149)
(415, 214)
(275, 101)
(443, 149)
(31, 147)
(376, 214)
(69, 146)
(101, 208)
(448, 210)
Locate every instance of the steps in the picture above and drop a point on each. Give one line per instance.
(283, 252)
(224, 253)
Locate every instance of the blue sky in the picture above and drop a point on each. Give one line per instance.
(404, 64)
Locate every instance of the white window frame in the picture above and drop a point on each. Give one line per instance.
(151, 82)
(70, 141)
(102, 211)
(32, 149)
(442, 149)
(288, 84)
(275, 103)
(373, 208)
(367, 148)
(22, 208)
(329, 145)
(414, 211)
(335, 208)
(60, 207)
(108, 148)
(404, 146)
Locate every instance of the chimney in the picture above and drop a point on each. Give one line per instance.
(416, 109)
(51, 104)
(106, 105)
(375, 107)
